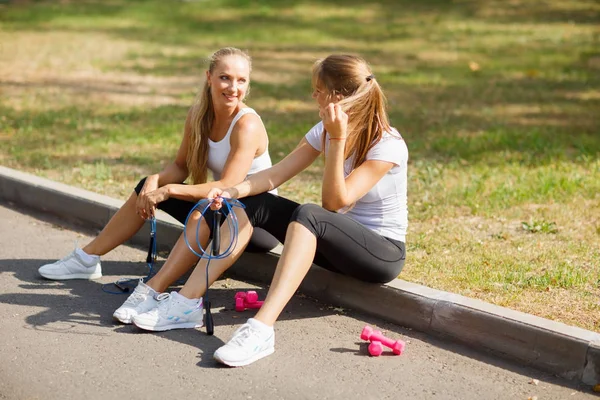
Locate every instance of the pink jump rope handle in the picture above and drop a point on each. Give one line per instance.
(369, 334)
(245, 300)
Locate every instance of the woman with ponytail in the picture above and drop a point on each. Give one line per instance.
(359, 230)
(221, 134)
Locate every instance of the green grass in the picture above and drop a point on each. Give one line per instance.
(497, 101)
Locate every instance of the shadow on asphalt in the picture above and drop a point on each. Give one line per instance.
(85, 303)
(68, 305)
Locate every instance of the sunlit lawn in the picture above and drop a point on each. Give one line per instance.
(499, 103)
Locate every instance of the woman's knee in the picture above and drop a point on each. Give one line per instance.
(195, 234)
(306, 214)
(391, 273)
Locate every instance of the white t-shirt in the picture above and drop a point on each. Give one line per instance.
(219, 151)
(384, 208)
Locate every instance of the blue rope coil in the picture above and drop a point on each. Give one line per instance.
(127, 285)
(215, 253)
(232, 223)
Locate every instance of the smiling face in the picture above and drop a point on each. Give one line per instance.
(229, 81)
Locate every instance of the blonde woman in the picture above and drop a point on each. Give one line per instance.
(222, 135)
(360, 228)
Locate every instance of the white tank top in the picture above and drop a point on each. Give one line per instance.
(219, 151)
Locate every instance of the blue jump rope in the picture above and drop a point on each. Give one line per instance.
(127, 285)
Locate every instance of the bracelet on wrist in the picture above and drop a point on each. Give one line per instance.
(337, 138)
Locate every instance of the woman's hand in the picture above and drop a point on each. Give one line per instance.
(217, 195)
(150, 185)
(152, 199)
(335, 121)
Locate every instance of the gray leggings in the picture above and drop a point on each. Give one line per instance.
(343, 244)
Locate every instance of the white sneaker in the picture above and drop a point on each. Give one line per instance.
(72, 267)
(172, 312)
(251, 342)
(140, 301)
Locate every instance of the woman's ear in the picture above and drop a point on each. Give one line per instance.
(208, 77)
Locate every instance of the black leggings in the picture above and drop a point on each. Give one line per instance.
(343, 244)
(260, 242)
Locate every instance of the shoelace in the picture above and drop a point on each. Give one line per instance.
(163, 298)
(136, 296)
(71, 255)
(67, 258)
(164, 302)
(74, 252)
(245, 333)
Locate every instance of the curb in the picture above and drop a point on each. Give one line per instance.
(554, 347)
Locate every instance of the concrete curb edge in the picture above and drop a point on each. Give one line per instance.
(564, 350)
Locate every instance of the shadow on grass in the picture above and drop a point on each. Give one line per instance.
(260, 19)
(528, 121)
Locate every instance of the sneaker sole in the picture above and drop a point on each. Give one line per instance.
(72, 276)
(126, 321)
(186, 325)
(257, 357)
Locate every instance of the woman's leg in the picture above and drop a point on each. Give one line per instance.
(85, 263)
(121, 227)
(293, 265)
(181, 259)
(126, 223)
(267, 211)
(184, 309)
(256, 338)
(345, 246)
(195, 287)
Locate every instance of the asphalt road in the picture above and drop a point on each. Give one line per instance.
(58, 341)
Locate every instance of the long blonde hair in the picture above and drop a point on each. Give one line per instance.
(203, 117)
(363, 101)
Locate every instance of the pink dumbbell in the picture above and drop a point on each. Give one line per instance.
(375, 348)
(245, 300)
(369, 334)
